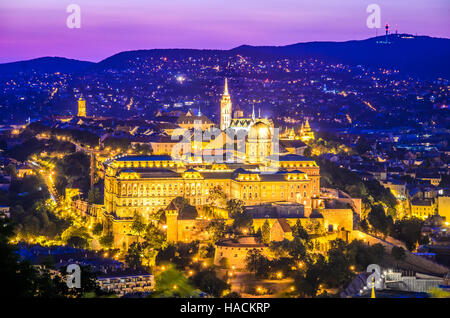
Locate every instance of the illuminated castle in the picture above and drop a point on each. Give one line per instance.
(81, 107)
(304, 134)
(148, 184)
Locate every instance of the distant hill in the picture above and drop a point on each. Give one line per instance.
(424, 56)
(45, 65)
(125, 59)
(419, 55)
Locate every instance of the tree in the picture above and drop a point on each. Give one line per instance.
(216, 230)
(235, 207)
(78, 236)
(208, 282)
(133, 258)
(280, 249)
(21, 279)
(297, 248)
(172, 283)
(73, 171)
(307, 283)
(437, 292)
(408, 231)
(78, 242)
(398, 253)
(224, 262)
(361, 255)
(364, 225)
(299, 231)
(117, 143)
(243, 221)
(97, 229)
(154, 237)
(257, 263)
(143, 149)
(265, 233)
(138, 226)
(379, 220)
(217, 197)
(107, 241)
(337, 270)
(252, 259)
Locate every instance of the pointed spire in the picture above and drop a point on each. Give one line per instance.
(259, 112)
(225, 91)
(307, 124)
(253, 112)
(199, 111)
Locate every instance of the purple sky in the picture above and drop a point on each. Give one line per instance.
(32, 28)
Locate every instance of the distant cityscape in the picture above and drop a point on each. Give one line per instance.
(308, 171)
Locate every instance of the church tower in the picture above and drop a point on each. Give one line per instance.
(306, 133)
(81, 107)
(225, 108)
(172, 222)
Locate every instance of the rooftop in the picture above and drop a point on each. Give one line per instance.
(146, 158)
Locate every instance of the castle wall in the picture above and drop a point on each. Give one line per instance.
(235, 255)
(338, 218)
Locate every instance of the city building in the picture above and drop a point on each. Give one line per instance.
(122, 284)
(81, 107)
(422, 208)
(444, 207)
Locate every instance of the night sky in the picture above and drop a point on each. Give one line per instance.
(31, 28)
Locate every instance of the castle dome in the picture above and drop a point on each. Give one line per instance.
(259, 130)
